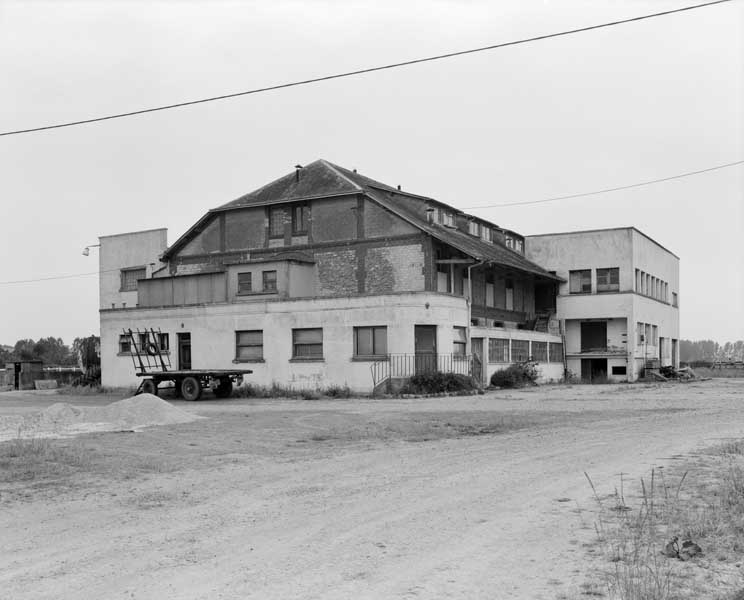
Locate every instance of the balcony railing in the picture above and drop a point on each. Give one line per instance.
(407, 365)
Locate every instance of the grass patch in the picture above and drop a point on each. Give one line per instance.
(251, 390)
(95, 390)
(644, 539)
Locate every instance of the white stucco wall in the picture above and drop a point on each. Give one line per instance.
(124, 251)
(212, 328)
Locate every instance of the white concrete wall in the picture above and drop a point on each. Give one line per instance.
(212, 328)
(124, 251)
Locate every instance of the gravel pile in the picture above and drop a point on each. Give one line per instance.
(62, 419)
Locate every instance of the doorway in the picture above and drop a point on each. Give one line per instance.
(476, 346)
(425, 340)
(593, 369)
(184, 351)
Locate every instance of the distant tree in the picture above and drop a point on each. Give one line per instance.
(5, 356)
(88, 352)
(53, 351)
(24, 350)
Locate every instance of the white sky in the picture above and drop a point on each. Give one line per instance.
(563, 116)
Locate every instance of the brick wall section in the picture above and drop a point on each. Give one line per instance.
(336, 273)
(245, 229)
(334, 219)
(379, 222)
(395, 269)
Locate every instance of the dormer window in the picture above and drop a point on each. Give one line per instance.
(485, 233)
(446, 218)
(474, 228)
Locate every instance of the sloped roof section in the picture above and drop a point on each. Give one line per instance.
(468, 244)
(316, 180)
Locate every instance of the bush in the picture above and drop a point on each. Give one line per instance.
(338, 391)
(515, 376)
(437, 383)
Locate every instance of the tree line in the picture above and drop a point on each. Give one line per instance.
(710, 351)
(52, 351)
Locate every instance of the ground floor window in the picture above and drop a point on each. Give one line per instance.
(125, 344)
(307, 343)
(619, 370)
(540, 351)
(370, 341)
(459, 341)
(520, 350)
(556, 352)
(498, 350)
(248, 345)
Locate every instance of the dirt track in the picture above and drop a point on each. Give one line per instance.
(292, 499)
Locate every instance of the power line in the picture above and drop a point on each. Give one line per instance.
(612, 189)
(57, 277)
(363, 71)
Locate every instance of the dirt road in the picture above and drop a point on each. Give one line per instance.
(328, 499)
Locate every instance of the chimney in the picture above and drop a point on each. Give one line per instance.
(298, 168)
(399, 187)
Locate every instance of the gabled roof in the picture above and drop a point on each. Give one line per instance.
(323, 179)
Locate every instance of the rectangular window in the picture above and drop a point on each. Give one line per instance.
(129, 278)
(674, 299)
(540, 351)
(245, 283)
(446, 218)
(299, 218)
(498, 350)
(307, 343)
(276, 222)
(370, 341)
(556, 352)
(647, 334)
(486, 233)
(509, 242)
(459, 341)
(619, 370)
(640, 330)
(655, 335)
(163, 342)
(580, 282)
(520, 350)
(125, 344)
(638, 281)
(608, 280)
(519, 245)
(269, 281)
(509, 294)
(248, 346)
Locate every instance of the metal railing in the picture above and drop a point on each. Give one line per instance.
(408, 365)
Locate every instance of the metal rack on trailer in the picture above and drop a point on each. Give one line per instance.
(152, 362)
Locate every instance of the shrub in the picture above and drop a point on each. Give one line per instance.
(437, 382)
(338, 391)
(514, 376)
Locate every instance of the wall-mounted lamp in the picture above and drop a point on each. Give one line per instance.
(86, 250)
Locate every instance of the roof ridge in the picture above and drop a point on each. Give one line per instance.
(334, 168)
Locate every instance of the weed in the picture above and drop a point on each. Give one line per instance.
(516, 375)
(437, 382)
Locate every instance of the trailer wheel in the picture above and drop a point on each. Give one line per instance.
(191, 388)
(149, 387)
(224, 389)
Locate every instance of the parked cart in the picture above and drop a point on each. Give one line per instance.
(152, 362)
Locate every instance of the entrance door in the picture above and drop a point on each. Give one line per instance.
(593, 369)
(476, 346)
(594, 336)
(184, 351)
(425, 339)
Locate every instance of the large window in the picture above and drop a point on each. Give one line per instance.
(608, 280)
(520, 350)
(129, 278)
(540, 351)
(269, 281)
(556, 352)
(276, 222)
(580, 282)
(459, 341)
(370, 341)
(245, 283)
(299, 218)
(498, 350)
(307, 343)
(248, 346)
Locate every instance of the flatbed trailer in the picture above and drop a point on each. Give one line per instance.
(152, 363)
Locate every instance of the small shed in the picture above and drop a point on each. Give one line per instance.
(21, 374)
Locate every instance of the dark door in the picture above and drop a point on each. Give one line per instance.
(476, 346)
(425, 338)
(593, 369)
(594, 336)
(184, 351)
(17, 376)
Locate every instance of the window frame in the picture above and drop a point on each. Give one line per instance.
(459, 341)
(516, 351)
(295, 344)
(543, 354)
(281, 213)
(239, 345)
(582, 282)
(264, 288)
(552, 346)
(611, 280)
(372, 329)
(124, 339)
(303, 227)
(250, 283)
(501, 348)
(131, 287)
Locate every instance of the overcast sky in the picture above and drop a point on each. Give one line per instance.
(563, 116)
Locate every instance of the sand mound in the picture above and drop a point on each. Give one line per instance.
(62, 419)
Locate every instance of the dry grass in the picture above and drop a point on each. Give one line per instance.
(703, 503)
(726, 373)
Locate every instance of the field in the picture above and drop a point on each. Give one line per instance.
(456, 497)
